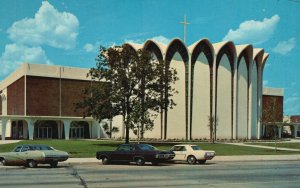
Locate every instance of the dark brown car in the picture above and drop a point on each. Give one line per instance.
(138, 153)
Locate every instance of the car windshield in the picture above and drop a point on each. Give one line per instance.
(196, 148)
(146, 147)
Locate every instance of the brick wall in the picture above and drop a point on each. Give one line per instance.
(272, 108)
(295, 119)
(71, 93)
(42, 96)
(15, 98)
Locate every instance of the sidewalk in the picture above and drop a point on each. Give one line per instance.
(8, 141)
(236, 158)
(265, 147)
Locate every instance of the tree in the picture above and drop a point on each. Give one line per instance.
(212, 125)
(131, 80)
(272, 112)
(167, 91)
(96, 101)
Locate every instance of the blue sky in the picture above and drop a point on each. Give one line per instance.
(69, 32)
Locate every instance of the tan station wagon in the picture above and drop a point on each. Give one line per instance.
(32, 155)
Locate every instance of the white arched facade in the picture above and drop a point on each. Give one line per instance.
(157, 128)
(242, 100)
(201, 99)
(221, 80)
(253, 101)
(176, 116)
(223, 99)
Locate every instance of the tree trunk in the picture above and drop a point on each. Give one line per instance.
(126, 133)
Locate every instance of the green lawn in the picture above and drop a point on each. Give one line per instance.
(87, 148)
(281, 145)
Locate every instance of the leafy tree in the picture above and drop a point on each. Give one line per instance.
(97, 101)
(212, 125)
(271, 113)
(110, 130)
(127, 83)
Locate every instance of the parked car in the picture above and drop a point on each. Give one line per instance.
(32, 155)
(191, 154)
(138, 153)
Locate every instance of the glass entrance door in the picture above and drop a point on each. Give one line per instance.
(77, 132)
(17, 130)
(44, 132)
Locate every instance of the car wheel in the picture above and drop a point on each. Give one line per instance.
(2, 162)
(31, 164)
(53, 164)
(191, 159)
(105, 160)
(139, 161)
(202, 161)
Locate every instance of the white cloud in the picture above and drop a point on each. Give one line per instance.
(89, 47)
(161, 39)
(252, 31)
(14, 55)
(48, 27)
(284, 47)
(136, 41)
(265, 83)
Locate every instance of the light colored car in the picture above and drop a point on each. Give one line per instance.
(32, 155)
(191, 154)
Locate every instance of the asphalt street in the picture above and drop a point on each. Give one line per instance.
(213, 174)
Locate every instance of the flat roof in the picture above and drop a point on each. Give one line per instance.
(43, 70)
(273, 91)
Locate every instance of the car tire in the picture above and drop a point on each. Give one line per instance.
(105, 160)
(31, 163)
(53, 164)
(139, 161)
(191, 159)
(201, 161)
(2, 162)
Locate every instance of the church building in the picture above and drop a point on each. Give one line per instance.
(219, 80)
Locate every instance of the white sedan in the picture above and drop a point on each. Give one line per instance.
(191, 154)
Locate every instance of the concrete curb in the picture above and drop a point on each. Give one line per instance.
(257, 158)
(236, 158)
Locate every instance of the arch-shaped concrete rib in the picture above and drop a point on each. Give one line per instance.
(258, 54)
(200, 100)
(154, 47)
(242, 89)
(134, 46)
(224, 88)
(208, 47)
(264, 61)
(176, 45)
(248, 49)
(218, 47)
